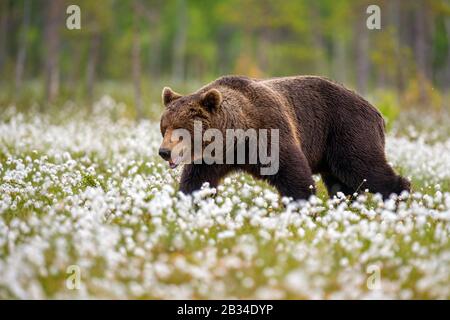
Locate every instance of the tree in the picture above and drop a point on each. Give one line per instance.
(152, 17)
(338, 36)
(421, 47)
(361, 50)
(136, 60)
(179, 42)
(22, 52)
(91, 69)
(4, 5)
(447, 77)
(52, 42)
(96, 23)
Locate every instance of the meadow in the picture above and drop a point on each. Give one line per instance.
(89, 210)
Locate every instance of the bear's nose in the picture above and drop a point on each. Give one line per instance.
(164, 153)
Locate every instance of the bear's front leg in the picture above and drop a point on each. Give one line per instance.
(195, 175)
(294, 177)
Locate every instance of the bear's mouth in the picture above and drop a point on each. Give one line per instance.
(173, 163)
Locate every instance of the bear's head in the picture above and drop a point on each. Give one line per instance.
(180, 123)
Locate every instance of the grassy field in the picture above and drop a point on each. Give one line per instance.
(89, 210)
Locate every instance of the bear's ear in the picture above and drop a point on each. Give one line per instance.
(168, 95)
(211, 99)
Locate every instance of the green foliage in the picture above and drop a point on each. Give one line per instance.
(110, 207)
(388, 104)
(88, 181)
(183, 42)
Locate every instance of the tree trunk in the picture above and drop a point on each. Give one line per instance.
(55, 13)
(421, 48)
(447, 69)
(136, 63)
(153, 16)
(179, 44)
(339, 58)
(223, 56)
(263, 45)
(155, 55)
(22, 53)
(73, 78)
(321, 66)
(397, 20)
(3, 33)
(362, 55)
(91, 70)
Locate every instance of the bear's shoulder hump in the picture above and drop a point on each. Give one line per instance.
(234, 82)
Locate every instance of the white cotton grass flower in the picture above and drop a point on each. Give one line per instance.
(94, 194)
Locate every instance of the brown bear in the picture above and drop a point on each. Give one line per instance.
(324, 128)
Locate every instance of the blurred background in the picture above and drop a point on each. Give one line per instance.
(130, 49)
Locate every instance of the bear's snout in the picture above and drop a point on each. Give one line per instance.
(164, 153)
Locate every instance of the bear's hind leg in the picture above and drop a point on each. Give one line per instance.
(377, 176)
(334, 185)
(294, 177)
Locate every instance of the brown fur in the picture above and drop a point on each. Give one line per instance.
(324, 128)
